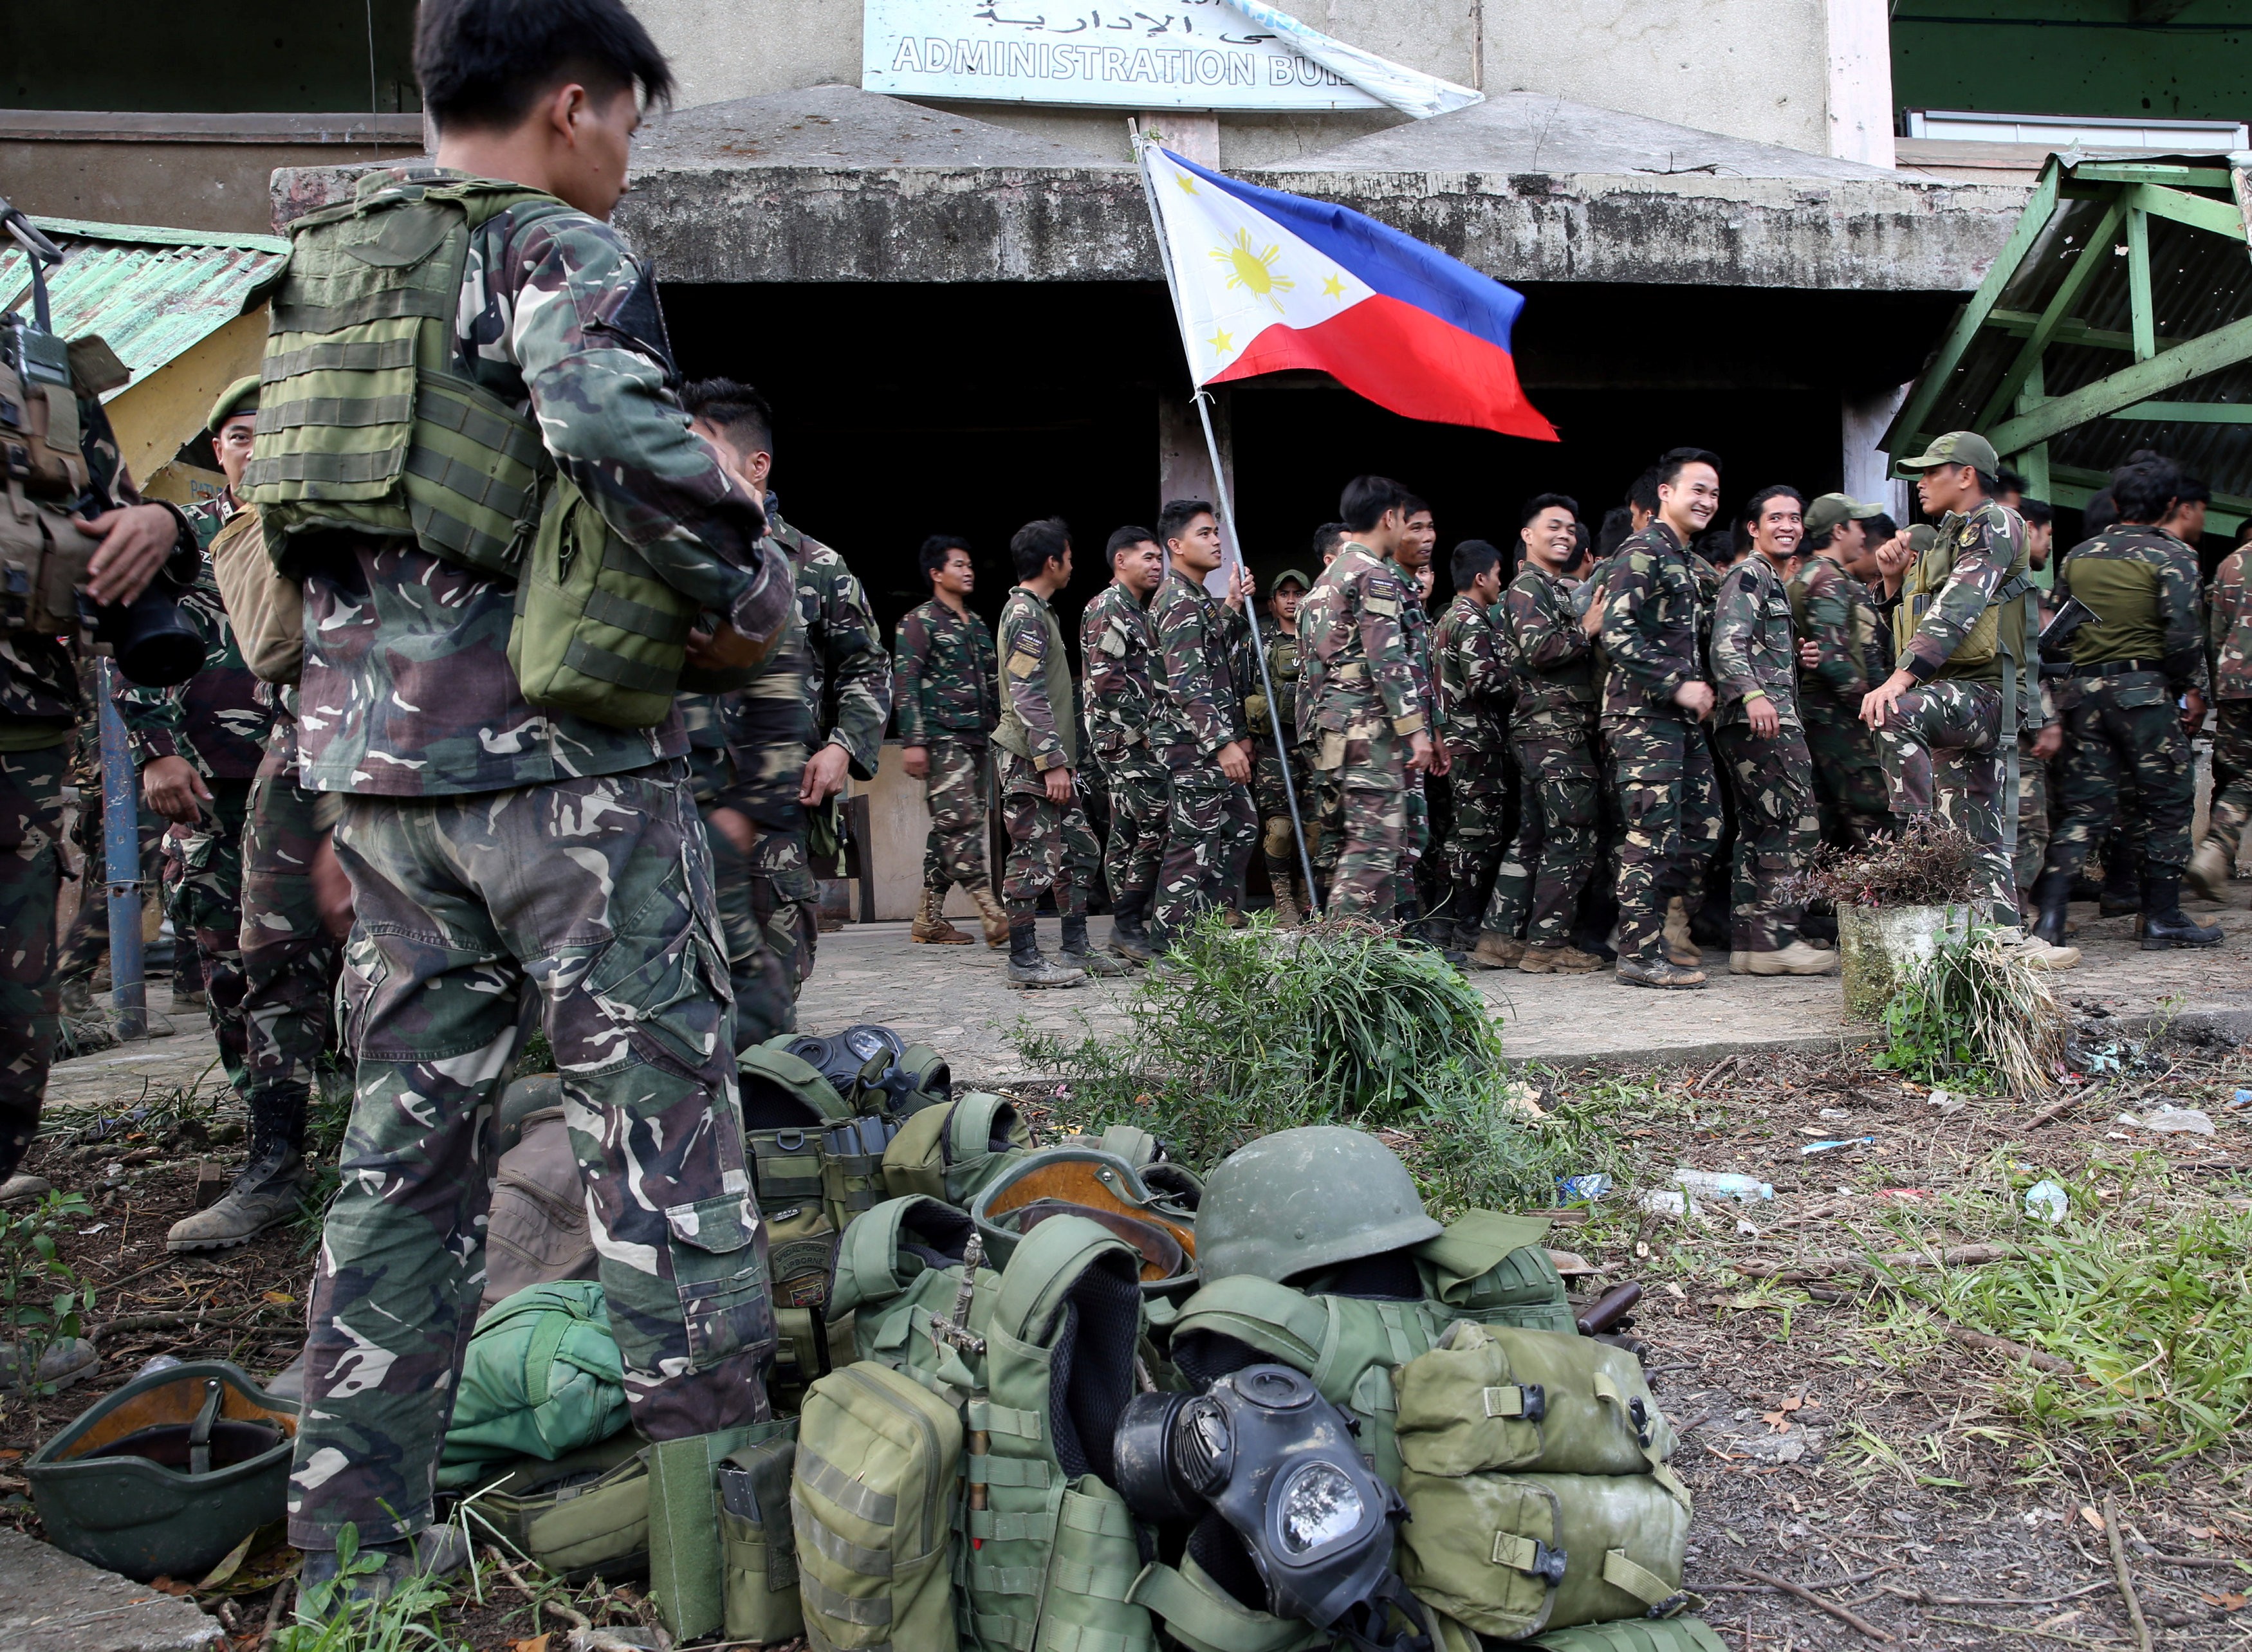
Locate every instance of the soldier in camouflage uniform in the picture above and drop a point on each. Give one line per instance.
(1470, 654)
(1938, 715)
(40, 706)
(1656, 698)
(1359, 698)
(1553, 732)
(1270, 751)
(1199, 731)
(1834, 611)
(2144, 651)
(948, 695)
(1051, 846)
(496, 848)
(1411, 565)
(1753, 657)
(2228, 641)
(815, 711)
(1119, 641)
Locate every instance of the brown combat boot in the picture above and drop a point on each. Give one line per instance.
(1497, 951)
(930, 925)
(1681, 946)
(2209, 868)
(1564, 959)
(991, 914)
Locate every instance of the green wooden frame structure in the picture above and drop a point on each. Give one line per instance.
(2118, 316)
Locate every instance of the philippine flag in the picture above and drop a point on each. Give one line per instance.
(1269, 282)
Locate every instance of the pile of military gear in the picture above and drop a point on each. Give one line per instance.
(1070, 1396)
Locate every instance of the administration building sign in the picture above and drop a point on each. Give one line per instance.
(1192, 54)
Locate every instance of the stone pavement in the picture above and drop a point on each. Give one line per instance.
(956, 998)
(51, 1601)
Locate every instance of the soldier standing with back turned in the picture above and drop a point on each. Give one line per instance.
(2229, 638)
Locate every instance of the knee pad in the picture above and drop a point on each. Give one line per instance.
(1276, 839)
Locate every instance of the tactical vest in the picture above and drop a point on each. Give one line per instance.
(1011, 733)
(2001, 629)
(43, 556)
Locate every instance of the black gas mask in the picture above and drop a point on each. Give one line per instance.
(1264, 1450)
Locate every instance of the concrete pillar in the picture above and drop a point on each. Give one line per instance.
(1191, 136)
(1862, 425)
(1860, 82)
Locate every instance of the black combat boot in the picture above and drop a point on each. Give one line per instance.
(1128, 939)
(1075, 954)
(1029, 967)
(1428, 932)
(2052, 894)
(2119, 894)
(2165, 924)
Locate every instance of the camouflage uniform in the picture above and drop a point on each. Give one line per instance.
(2036, 779)
(1958, 709)
(216, 721)
(2229, 637)
(1552, 729)
(1470, 655)
(947, 698)
(1119, 641)
(1051, 846)
(1754, 655)
(1359, 697)
(1416, 834)
(2131, 663)
(1661, 759)
(1270, 751)
(289, 958)
(758, 974)
(827, 681)
(1834, 611)
(496, 848)
(1210, 822)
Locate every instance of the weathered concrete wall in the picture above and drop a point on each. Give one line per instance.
(204, 186)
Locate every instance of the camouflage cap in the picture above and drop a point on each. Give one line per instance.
(1958, 448)
(1923, 536)
(239, 397)
(1286, 576)
(1832, 509)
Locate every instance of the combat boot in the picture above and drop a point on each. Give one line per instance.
(2165, 924)
(2036, 954)
(1659, 971)
(1075, 954)
(2052, 895)
(1681, 948)
(991, 913)
(1796, 959)
(930, 925)
(326, 1591)
(2209, 869)
(1561, 960)
(1497, 951)
(1130, 936)
(2120, 894)
(1287, 913)
(1029, 967)
(1419, 931)
(266, 1194)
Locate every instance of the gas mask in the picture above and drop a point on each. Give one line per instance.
(1276, 1461)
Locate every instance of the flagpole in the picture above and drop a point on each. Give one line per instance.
(1234, 538)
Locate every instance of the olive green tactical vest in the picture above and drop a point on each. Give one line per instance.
(2123, 592)
(1999, 631)
(1011, 734)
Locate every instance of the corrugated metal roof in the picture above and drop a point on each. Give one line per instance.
(152, 294)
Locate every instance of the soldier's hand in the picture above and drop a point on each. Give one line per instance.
(1419, 753)
(725, 650)
(1240, 584)
(1695, 697)
(1765, 720)
(1591, 622)
(1877, 703)
(1443, 759)
(1057, 781)
(2192, 712)
(1235, 761)
(735, 826)
(2048, 742)
(916, 760)
(824, 777)
(1810, 655)
(332, 890)
(173, 788)
(134, 544)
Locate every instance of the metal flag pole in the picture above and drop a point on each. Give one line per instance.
(1234, 539)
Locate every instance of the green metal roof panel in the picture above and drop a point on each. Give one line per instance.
(153, 294)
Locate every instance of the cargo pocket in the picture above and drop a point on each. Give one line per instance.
(720, 1270)
(2139, 697)
(670, 995)
(362, 977)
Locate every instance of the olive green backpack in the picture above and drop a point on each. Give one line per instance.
(952, 1152)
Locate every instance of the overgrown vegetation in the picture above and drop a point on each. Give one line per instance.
(1227, 1044)
(42, 1300)
(408, 1617)
(1974, 1017)
(1929, 864)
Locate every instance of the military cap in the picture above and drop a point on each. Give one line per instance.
(1832, 509)
(1923, 536)
(1286, 576)
(1958, 448)
(239, 397)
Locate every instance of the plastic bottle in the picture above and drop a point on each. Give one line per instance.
(2047, 1202)
(1714, 1184)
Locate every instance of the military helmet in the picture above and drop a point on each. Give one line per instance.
(1304, 1199)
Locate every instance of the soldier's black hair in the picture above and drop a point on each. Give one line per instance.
(1366, 500)
(1670, 463)
(935, 552)
(2008, 480)
(1617, 524)
(1327, 537)
(2193, 491)
(1821, 541)
(2098, 514)
(2039, 512)
(1643, 492)
(734, 406)
(1174, 519)
(1471, 559)
(483, 64)
(1037, 543)
(1882, 527)
(1413, 502)
(2244, 530)
(1540, 502)
(1125, 539)
(2147, 491)
(1750, 511)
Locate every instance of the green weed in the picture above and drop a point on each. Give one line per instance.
(1973, 1016)
(42, 1300)
(407, 1617)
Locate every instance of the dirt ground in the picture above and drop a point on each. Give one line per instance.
(1835, 1437)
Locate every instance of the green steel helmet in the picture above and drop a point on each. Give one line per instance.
(1304, 1199)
